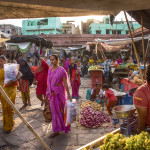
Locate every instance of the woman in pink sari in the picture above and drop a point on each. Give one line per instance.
(75, 78)
(57, 90)
(67, 63)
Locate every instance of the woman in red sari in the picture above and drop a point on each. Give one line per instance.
(41, 78)
(75, 78)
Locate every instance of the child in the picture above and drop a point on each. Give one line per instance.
(110, 100)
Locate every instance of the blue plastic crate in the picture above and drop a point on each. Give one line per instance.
(127, 100)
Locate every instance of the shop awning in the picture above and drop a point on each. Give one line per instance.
(119, 42)
(109, 48)
(3, 40)
(39, 41)
(57, 8)
(22, 47)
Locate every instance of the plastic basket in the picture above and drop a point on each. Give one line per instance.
(134, 67)
(96, 77)
(127, 100)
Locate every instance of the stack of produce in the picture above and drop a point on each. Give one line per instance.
(119, 142)
(137, 79)
(91, 118)
(120, 67)
(95, 68)
(94, 105)
(130, 64)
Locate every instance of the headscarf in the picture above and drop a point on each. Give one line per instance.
(26, 71)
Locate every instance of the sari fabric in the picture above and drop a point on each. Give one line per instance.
(57, 98)
(8, 112)
(67, 63)
(41, 77)
(75, 81)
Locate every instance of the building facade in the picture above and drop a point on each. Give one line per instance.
(77, 30)
(42, 26)
(68, 28)
(118, 27)
(71, 40)
(85, 26)
(10, 30)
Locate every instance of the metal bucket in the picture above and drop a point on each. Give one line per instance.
(124, 111)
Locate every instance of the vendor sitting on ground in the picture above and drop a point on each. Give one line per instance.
(97, 94)
(110, 101)
(141, 100)
(132, 74)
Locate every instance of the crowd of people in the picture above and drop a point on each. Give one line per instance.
(53, 86)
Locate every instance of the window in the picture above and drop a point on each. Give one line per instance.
(127, 32)
(69, 32)
(30, 23)
(113, 31)
(107, 31)
(98, 31)
(43, 22)
(119, 32)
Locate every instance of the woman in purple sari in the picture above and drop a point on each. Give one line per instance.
(67, 63)
(57, 90)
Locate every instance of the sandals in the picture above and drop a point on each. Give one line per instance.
(54, 134)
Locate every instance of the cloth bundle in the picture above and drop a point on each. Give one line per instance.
(10, 72)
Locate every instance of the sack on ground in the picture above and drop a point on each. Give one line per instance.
(10, 73)
(69, 112)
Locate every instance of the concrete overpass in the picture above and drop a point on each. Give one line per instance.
(66, 40)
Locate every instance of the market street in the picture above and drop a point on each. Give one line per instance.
(21, 138)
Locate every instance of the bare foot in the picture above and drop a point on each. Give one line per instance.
(54, 134)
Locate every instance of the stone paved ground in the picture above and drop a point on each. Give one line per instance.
(22, 139)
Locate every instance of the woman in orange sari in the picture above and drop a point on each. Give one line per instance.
(10, 90)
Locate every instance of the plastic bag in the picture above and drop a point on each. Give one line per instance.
(10, 72)
(70, 112)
